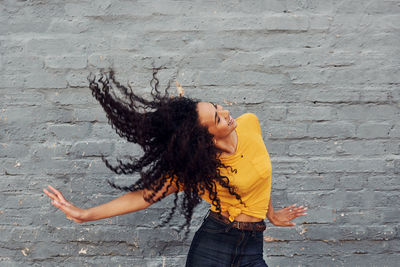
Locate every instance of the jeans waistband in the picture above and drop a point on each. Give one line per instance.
(248, 226)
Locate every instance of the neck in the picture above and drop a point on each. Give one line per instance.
(228, 144)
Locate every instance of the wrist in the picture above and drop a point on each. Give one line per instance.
(272, 218)
(86, 215)
(270, 215)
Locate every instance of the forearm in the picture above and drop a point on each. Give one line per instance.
(129, 202)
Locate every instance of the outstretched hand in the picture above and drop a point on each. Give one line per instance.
(71, 212)
(284, 216)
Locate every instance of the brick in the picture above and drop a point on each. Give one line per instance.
(126, 148)
(361, 76)
(37, 132)
(45, 80)
(375, 96)
(49, 150)
(389, 215)
(245, 78)
(90, 115)
(311, 183)
(12, 150)
(353, 182)
(386, 7)
(275, 147)
(373, 112)
(275, 113)
(87, 9)
(312, 148)
(308, 76)
(280, 182)
(393, 147)
(77, 79)
(322, 232)
(288, 165)
(395, 131)
(320, 22)
(103, 131)
(318, 215)
(337, 59)
(388, 22)
(50, 46)
(66, 62)
(22, 63)
(74, 26)
(90, 149)
(286, 58)
(381, 232)
(70, 131)
(356, 199)
(337, 95)
(388, 260)
(20, 25)
(373, 130)
(293, 130)
(310, 113)
(285, 234)
(369, 148)
(71, 96)
(19, 97)
(100, 61)
(396, 164)
(323, 165)
(318, 199)
(353, 216)
(331, 129)
(40, 114)
(385, 199)
(11, 81)
(307, 248)
(286, 22)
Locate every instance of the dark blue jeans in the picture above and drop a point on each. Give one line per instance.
(216, 244)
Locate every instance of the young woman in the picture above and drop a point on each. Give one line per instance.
(198, 149)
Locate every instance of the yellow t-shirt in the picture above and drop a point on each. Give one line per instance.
(253, 176)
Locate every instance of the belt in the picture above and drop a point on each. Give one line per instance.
(248, 226)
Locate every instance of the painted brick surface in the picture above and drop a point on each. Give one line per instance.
(322, 76)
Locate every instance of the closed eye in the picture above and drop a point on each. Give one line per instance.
(216, 115)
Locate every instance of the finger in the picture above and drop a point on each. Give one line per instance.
(300, 210)
(62, 207)
(50, 195)
(58, 193)
(290, 208)
(288, 224)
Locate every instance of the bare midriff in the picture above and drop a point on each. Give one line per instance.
(242, 217)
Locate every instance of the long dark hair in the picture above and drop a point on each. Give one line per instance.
(177, 148)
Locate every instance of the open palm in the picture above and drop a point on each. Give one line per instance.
(71, 212)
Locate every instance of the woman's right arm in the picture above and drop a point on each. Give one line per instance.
(129, 202)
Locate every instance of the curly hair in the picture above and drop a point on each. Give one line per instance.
(177, 148)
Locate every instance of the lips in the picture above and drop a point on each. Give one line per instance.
(230, 121)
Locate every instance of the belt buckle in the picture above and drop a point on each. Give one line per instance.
(238, 225)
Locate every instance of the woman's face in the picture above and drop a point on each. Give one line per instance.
(216, 118)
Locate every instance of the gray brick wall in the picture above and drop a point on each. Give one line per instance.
(322, 76)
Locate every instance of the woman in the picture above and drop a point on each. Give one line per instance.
(198, 149)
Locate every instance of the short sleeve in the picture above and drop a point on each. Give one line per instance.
(253, 122)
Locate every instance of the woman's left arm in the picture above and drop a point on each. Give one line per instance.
(284, 216)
